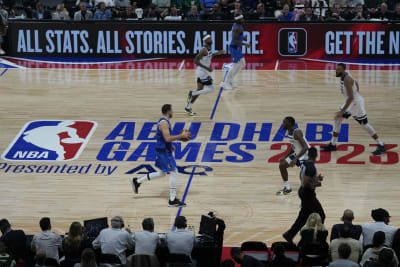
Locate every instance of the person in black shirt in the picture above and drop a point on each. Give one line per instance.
(310, 179)
(244, 260)
(280, 260)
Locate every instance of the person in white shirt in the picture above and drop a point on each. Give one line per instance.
(382, 219)
(180, 241)
(146, 242)
(114, 240)
(47, 242)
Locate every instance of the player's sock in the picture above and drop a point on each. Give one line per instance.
(334, 140)
(173, 179)
(379, 141)
(206, 90)
(287, 185)
(189, 105)
(150, 176)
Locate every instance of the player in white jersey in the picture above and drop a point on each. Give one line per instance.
(203, 73)
(297, 154)
(353, 106)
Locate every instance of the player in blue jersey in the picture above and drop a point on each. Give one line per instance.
(235, 49)
(165, 160)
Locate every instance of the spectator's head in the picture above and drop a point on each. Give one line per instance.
(340, 70)
(40, 259)
(88, 258)
(173, 11)
(308, 11)
(166, 110)
(379, 239)
(4, 226)
(102, 6)
(336, 8)
(82, 6)
(60, 8)
(314, 222)
(279, 250)
(260, 8)
(397, 8)
(148, 224)
(237, 255)
(285, 9)
(386, 258)
(359, 8)
(40, 7)
(348, 216)
(380, 215)
(384, 7)
(75, 230)
(344, 231)
(194, 11)
(312, 153)
(227, 263)
(288, 123)
(180, 222)
(45, 224)
(74, 238)
(117, 222)
(237, 5)
(344, 251)
(3, 248)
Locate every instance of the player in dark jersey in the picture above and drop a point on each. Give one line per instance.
(310, 179)
(165, 160)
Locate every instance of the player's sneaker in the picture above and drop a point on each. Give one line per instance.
(190, 112)
(328, 147)
(189, 98)
(176, 203)
(234, 84)
(379, 150)
(135, 185)
(226, 85)
(284, 191)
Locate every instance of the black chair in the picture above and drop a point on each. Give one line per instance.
(50, 262)
(142, 261)
(179, 260)
(291, 250)
(257, 250)
(315, 255)
(110, 259)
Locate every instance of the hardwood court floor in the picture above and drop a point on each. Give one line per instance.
(243, 194)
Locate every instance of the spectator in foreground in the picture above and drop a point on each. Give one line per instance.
(334, 14)
(15, 240)
(308, 15)
(41, 12)
(383, 13)
(320, 7)
(313, 232)
(171, 14)
(47, 242)
(114, 240)
(83, 13)
(372, 254)
(5, 259)
(396, 243)
(88, 259)
(382, 219)
(244, 260)
(146, 242)
(260, 12)
(128, 13)
(286, 14)
(385, 259)
(180, 241)
(280, 260)
(347, 218)
(343, 261)
(102, 13)
(355, 245)
(359, 14)
(61, 13)
(75, 243)
(193, 14)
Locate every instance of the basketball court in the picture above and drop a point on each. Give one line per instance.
(229, 167)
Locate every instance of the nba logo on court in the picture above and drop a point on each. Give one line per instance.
(292, 42)
(58, 140)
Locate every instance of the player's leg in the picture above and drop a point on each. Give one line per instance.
(283, 166)
(336, 130)
(381, 148)
(136, 182)
(173, 200)
(235, 57)
(191, 99)
(235, 70)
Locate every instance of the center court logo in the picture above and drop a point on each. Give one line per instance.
(52, 140)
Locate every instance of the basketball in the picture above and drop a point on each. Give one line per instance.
(185, 139)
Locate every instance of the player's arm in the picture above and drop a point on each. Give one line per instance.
(348, 84)
(220, 52)
(203, 52)
(236, 32)
(164, 128)
(298, 135)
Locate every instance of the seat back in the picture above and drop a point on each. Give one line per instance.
(291, 250)
(254, 246)
(110, 259)
(179, 260)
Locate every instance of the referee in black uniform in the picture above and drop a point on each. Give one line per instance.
(310, 179)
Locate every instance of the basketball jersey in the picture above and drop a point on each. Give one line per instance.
(296, 144)
(307, 168)
(161, 143)
(356, 94)
(240, 38)
(202, 73)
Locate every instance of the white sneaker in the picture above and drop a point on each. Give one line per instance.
(226, 86)
(234, 84)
